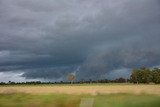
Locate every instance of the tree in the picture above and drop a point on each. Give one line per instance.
(71, 77)
(134, 76)
(156, 75)
(142, 75)
(120, 80)
(145, 75)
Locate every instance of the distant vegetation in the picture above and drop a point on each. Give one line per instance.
(140, 75)
(145, 75)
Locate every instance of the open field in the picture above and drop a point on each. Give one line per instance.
(83, 89)
(103, 95)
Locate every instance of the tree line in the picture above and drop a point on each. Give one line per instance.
(82, 81)
(145, 75)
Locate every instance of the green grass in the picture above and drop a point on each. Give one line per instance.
(126, 100)
(64, 100)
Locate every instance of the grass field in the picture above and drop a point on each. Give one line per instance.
(104, 95)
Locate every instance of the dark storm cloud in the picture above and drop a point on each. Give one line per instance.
(48, 39)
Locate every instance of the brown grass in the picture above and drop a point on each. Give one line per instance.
(86, 89)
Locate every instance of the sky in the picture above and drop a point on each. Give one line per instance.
(48, 39)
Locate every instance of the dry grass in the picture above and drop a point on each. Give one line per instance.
(84, 89)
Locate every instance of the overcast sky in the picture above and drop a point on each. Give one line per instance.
(48, 39)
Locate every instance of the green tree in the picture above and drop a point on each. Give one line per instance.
(142, 75)
(145, 75)
(156, 75)
(134, 76)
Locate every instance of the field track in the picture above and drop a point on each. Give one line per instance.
(82, 89)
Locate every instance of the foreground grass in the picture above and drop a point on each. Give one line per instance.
(66, 100)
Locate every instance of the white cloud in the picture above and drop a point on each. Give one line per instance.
(13, 76)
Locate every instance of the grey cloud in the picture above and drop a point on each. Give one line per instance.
(106, 60)
(50, 73)
(41, 37)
